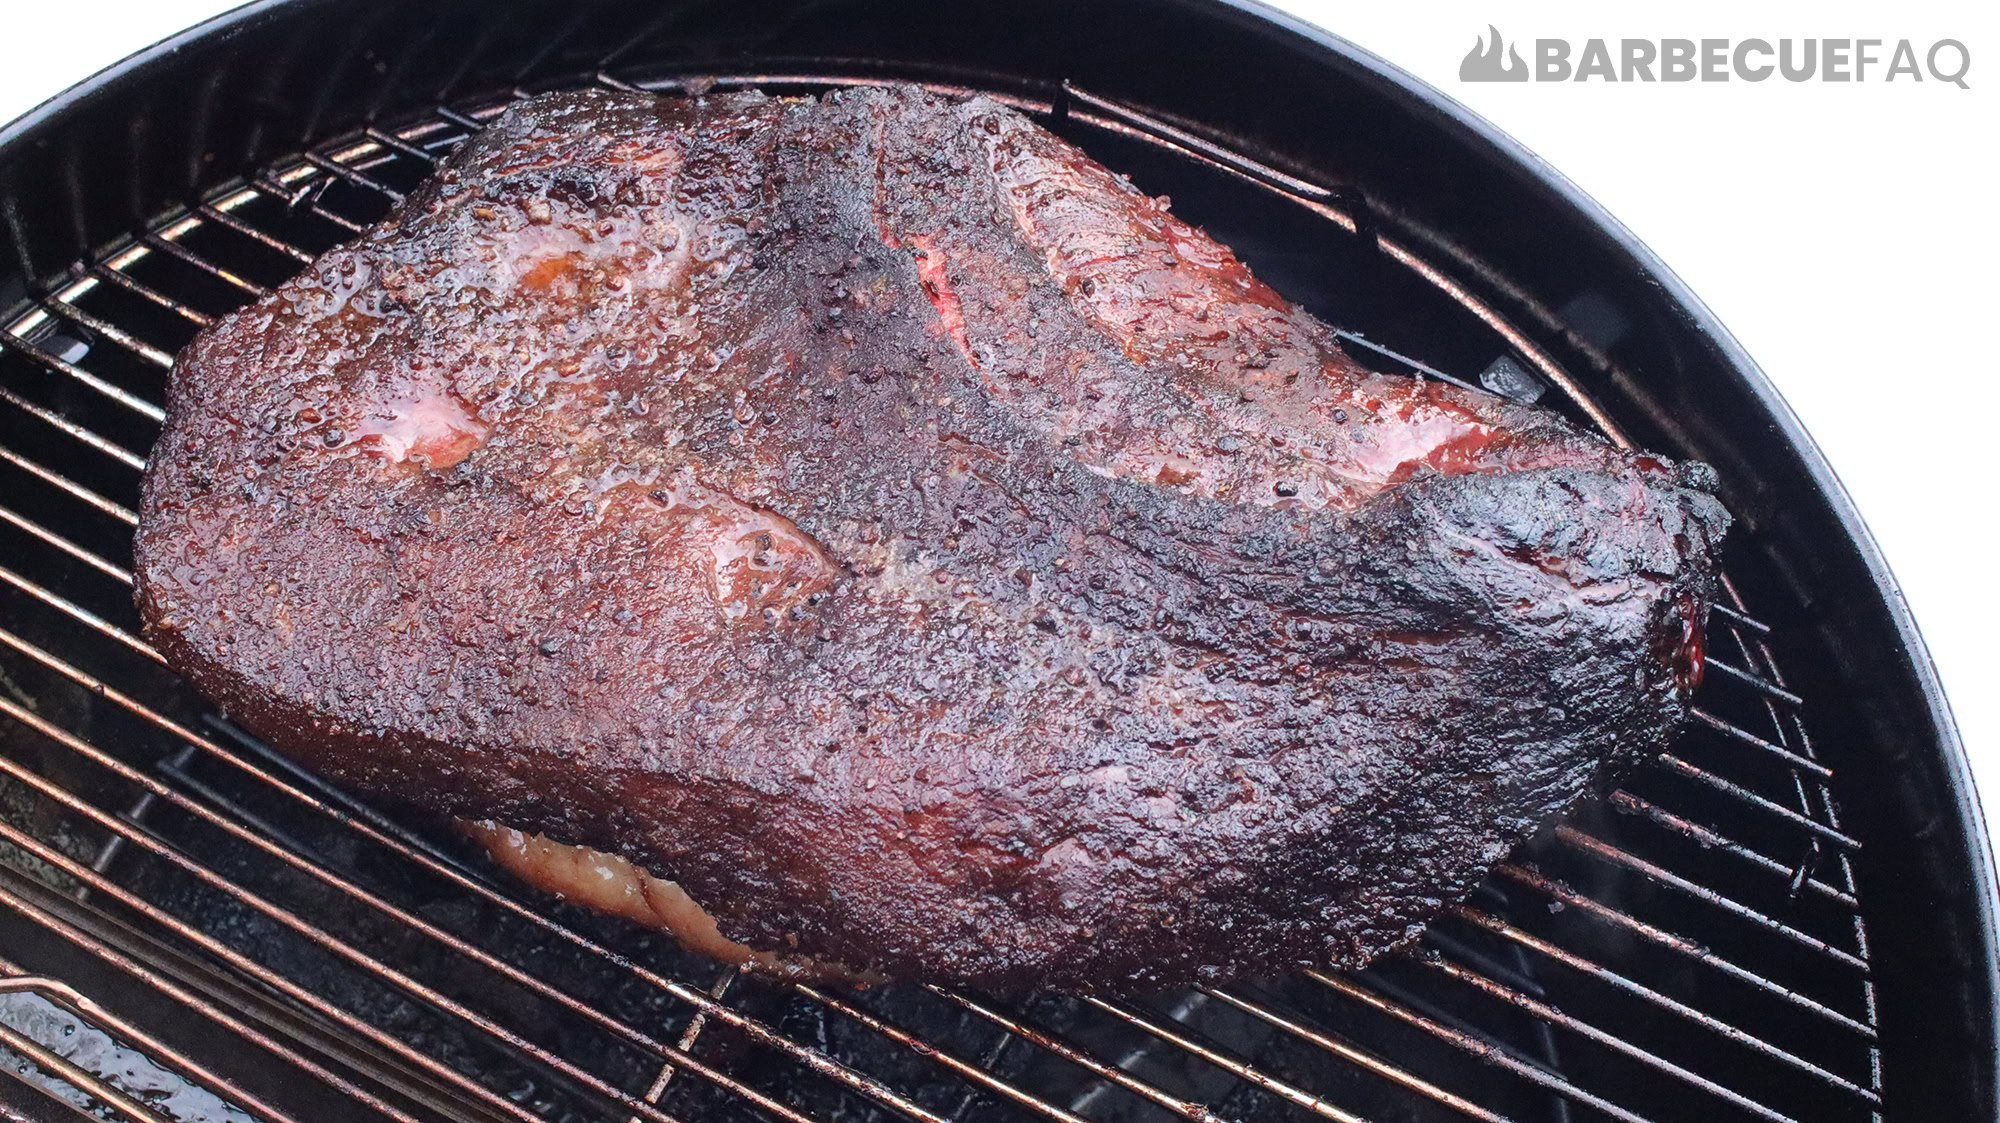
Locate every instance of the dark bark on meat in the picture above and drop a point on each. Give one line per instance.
(892, 526)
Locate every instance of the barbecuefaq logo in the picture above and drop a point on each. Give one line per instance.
(1945, 61)
(1483, 63)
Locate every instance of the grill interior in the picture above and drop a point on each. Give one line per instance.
(193, 928)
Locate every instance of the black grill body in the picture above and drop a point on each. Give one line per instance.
(1790, 917)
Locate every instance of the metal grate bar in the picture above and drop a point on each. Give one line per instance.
(358, 958)
(68, 998)
(1478, 1047)
(688, 1037)
(78, 612)
(1519, 342)
(283, 245)
(1737, 791)
(228, 221)
(813, 1060)
(1117, 127)
(1832, 813)
(117, 511)
(1751, 652)
(1738, 616)
(61, 1067)
(1858, 926)
(1356, 1056)
(72, 429)
(66, 546)
(175, 768)
(63, 304)
(1418, 365)
(1755, 682)
(1709, 896)
(1572, 899)
(391, 140)
(1805, 764)
(1181, 138)
(1186, 1109)
(357, 154)
(1224, 1061)
(1735, 610)
(1552, 1016)
(1590, 844)
(615, 83)
(145, 839)
(354, 176)
(469, 124)
(116, 276)
(99, 883)
(1710, 840)
(11, 340)
(174, 249)
(924, 1048)
(329, 800)
(1612, 978)
(187, 998)
(303, 196)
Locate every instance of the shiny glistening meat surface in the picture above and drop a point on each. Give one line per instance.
(913, 541)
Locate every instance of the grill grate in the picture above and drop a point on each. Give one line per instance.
(1691, 947)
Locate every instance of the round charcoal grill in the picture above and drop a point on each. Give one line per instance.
(1787, 918)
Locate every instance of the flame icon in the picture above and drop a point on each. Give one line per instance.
(1483, 62)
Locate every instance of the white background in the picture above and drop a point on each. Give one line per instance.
(1845, 233)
